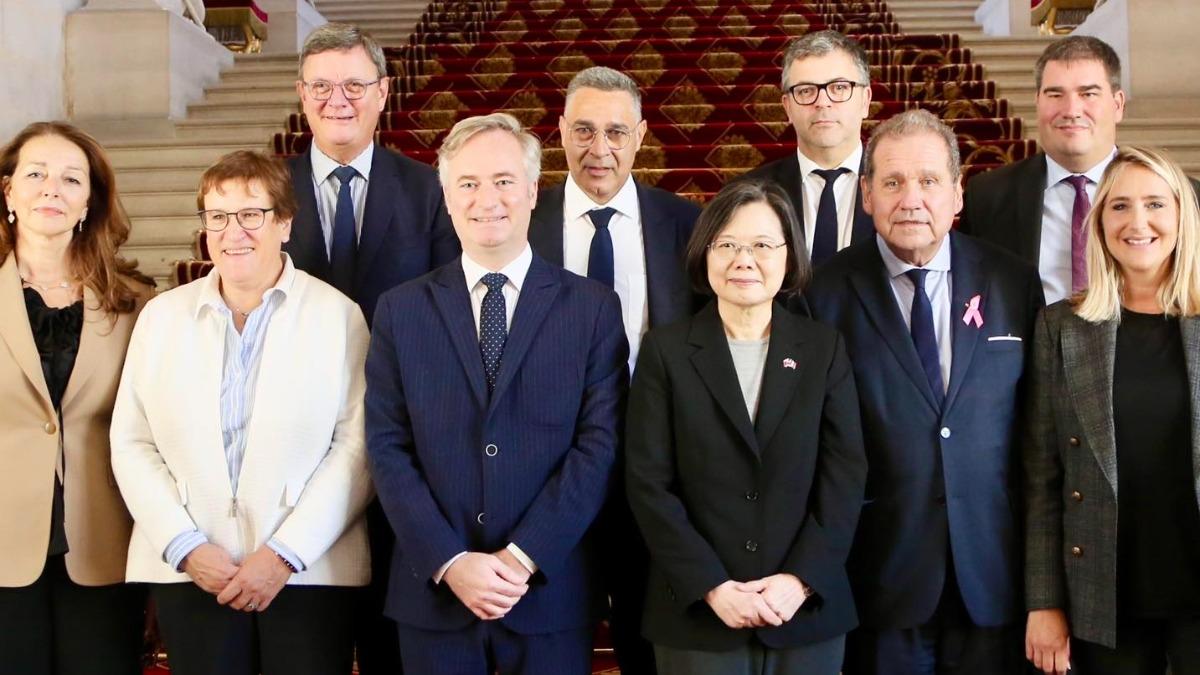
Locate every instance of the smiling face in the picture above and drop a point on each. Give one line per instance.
(599, 169)
(827, 132)
(911, 195)
(342, 128)
(247, 259)
(489, 197)
(49, 189)
(1078, 112)
(1140, 223)
(745, 281)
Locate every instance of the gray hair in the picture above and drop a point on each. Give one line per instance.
(606, 79)
(469, 128)
(343, 37)
(911, 123)
(1080, 48)
(822, 43)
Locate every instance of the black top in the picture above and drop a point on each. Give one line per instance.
(56, 333)
(1158, 522)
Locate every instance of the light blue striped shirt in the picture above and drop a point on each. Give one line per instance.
(239, 373)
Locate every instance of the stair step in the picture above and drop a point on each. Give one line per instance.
(176, 178)
(275, 113)
(156, 260)
(175, 155)
(165, 230)
(154, 204)
(227, 131)
(256, 96)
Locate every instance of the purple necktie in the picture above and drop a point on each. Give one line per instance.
(1079, 276)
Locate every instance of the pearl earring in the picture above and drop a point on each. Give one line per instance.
(12, 217)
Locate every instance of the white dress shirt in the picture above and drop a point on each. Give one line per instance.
(326, 187)
(629, 253)
(844, 191)
(1058, 203)
(937, 287)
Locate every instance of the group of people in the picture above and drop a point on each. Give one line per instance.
(396, 423)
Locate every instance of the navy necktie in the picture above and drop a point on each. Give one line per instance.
(825, 230)
(600, 256)
(344, 249)
(923, 335)
(493, 326)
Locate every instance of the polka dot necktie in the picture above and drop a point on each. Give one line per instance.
(493, 328)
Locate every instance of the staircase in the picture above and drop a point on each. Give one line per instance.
(388, 21)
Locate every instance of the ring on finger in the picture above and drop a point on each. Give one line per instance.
(251, 606)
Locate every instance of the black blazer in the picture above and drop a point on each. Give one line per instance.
(667, 222)
(406, 230)
(786, 172)
(718, 496)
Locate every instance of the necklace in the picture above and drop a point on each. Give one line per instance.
(48, 287)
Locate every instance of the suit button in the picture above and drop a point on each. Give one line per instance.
(1077, 551)
(1077, 496)
(1074, 441)
(49, 427)
(490, 450)
(479, 518)
(752, 496)
(752, 546)
(945, 432)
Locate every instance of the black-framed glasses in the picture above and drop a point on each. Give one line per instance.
(583, 136)
(838, 91)
(728, 250)
(351, 89)
(248, 218)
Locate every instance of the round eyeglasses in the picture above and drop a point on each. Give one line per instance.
(584, 136)
(726, 251)
(248, 218)
(838, 91)
(351, 89)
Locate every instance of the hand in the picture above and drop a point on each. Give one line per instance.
(784, 594)
(486, 584)
(210, 567)
(518, 569)
(257, 583)
(739, 605)
(1048, 641)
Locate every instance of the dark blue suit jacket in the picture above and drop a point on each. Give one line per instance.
(667, 222)
(936, 473)
(406, 230)
(553, 418)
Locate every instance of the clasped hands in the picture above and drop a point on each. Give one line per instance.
(770, 601)
(489, 584)
(249, 587)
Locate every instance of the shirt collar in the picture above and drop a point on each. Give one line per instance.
(895, 266)
(853, 162)
(576, 202)
(210, 289)
(1055, 173)
(323, 165)
(515, 270)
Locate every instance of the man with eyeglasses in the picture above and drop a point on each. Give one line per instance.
(603, 224)
(826, 95)
(369, 219)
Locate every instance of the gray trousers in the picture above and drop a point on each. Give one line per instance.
(821, 658)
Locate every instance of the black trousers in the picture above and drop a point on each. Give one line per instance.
(375, 639)
(1143, 648)
(54, 626)
(305, 631)
(626, 566)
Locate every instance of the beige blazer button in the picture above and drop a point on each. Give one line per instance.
(1074, 441)
(1077, 551)
(49, 427)
(1077, 496)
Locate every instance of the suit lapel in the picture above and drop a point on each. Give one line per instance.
(1089, 352)
(779, 381)
(1028, 206)
(307, 243)
(658, 246)
(874, 289)
(714, 364)
(537, 295)
(547, 223)
(383, 192)
(1190, 328)
(864, 225)
(94, 339)
(15, 330)
(787, 175)
(966, 266)
(453, 300)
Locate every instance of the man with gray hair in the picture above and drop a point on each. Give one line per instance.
(937, 325)
(604, 224)
(495, 387)
(369, 219)
(826, 94)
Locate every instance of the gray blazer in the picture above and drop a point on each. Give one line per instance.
(1070, 458)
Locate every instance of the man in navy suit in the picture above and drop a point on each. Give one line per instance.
(603, 224)
(495, 386)
(369, 219)
(937, 325)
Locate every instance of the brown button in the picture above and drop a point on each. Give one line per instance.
(1077, 551)
(49, 427)
(1077, 496)
(1074, 441)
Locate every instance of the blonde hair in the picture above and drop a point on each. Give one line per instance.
(466, 129)
(1179, 294)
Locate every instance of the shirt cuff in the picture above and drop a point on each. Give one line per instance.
(437, 576)
(525, 560)
(286, 553)
(179, 548)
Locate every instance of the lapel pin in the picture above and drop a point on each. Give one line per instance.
(789, 363)
(973, 315)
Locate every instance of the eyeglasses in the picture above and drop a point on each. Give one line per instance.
(726, 251)
(584, 136)
(248, 218)
(351, 89)
(838, 91)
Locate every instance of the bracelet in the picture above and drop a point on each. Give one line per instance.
(286, 563)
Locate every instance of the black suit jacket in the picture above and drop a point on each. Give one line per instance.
(719, 496)
(667, 222)
(406, 230)
(786, 172)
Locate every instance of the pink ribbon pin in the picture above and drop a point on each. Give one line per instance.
(972, 314)
(789, 363)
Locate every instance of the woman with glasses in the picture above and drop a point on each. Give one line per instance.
(745, 464)
(238, 445)
(67, 305)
